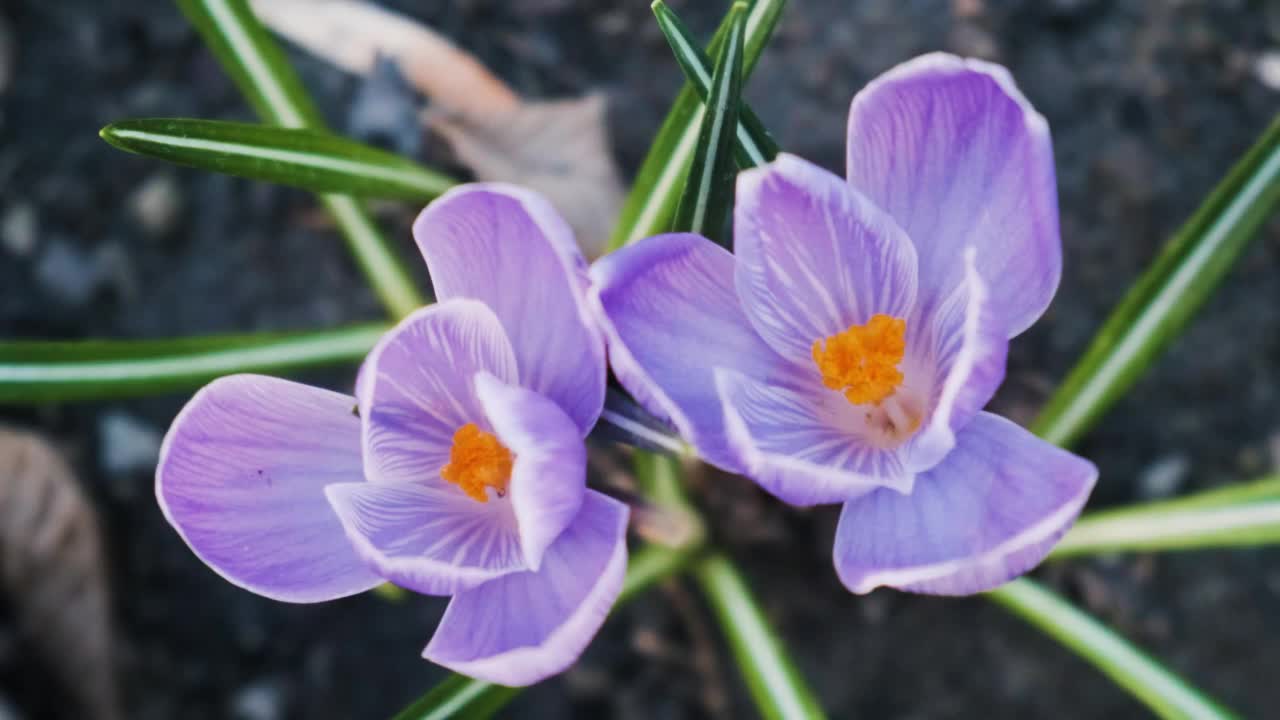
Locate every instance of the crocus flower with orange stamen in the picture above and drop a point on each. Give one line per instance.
(462, 473)
(845, 353)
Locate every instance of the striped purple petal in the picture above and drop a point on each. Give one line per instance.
(508, 248)
(989, 512)
(241, 478)
(952, 150)
(527, 626)
(417, 388)
(671, 315)
(814, 257)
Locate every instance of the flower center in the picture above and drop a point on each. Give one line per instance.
(476, 461)
(862, 362)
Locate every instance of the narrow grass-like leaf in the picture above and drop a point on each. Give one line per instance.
(1169, 293)
(775, 685)
(309, 159)
(463, 698)
(34, 372)
(651, 204)
(258, 67)
(753, 144)
(1162, 691)
(708, 195)
(1244, 515)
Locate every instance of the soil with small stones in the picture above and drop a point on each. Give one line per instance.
(1149, 102)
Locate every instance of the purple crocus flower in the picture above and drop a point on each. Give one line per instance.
(845, 353)
(464, 472)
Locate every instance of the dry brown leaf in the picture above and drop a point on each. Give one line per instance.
(559, 148)
(353, 34)
(53, 571)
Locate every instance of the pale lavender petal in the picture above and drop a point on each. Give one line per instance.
(803, 444)
(952, 150)
(986, 514)
(549, 477)
(670, 313)
(966, 344)
(508, 247)
(525, 627)
(815, 257)
(432, 539)
(417, 388)
(241, 478)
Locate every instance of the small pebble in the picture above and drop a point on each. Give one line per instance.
(18, 229)
(67, 274)
(1164, 478)
(261, 700)
(126, 444)
(1267, 69)
(157, 204)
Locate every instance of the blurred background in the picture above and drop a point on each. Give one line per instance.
(1150, 102)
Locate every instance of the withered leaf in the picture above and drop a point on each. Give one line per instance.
(53, 571)
(559, 148)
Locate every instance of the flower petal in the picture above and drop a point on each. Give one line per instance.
(429, 538)
(952, 150)
(987, 513)
(815, 257)
(549, 477)
(525, 627)
(803, 446)
(967, 345)
(241, 478)
(417, 387)
(508, 247)
(670, 314)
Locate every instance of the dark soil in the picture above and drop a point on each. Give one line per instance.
(1150, 103)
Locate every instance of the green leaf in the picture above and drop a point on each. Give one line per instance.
(1162, 691)
(33, 372)
(754, 145)
(1245, 515)
(779, 691)
(465, 698)
(308, 159)
(258, 68)
(708, 195)
(651, 204)
(1165, 298)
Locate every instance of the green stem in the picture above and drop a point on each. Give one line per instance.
(33, 372)
(776, 686)
(259, 68)
(1162, 691)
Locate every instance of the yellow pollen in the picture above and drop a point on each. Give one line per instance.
(476, 461)
(862, 362)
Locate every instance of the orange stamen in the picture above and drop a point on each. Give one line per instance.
(862, 362)
(476, 461)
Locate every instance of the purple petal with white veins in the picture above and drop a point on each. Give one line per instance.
(803, 445)
(417, 388)
(967, 344)
(528, 626)
(432, 539)
(952, 150)
(508, 247)
(815, 257)
(241, 478)
(549, 477)
(986, 514)
(670, 314)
